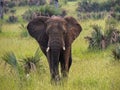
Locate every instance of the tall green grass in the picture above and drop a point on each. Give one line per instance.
(90, 70)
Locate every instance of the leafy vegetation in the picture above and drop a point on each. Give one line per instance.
(116, 53)
(33, 64)
(46, 10)
(99, 40)
(111, 7)
(0, 28)
(10, 58)
(94, 6)
(29, 64)
(24, 32)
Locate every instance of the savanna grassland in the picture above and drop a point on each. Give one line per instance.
(90, 70)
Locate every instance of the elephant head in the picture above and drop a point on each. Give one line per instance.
(55, 36)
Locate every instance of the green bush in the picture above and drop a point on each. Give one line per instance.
(33, 63)
(0, 28)
(12, 19)
(93, 6)
(110, 23)
(11, 4)
(112, 33)
(88, 6)
(102, 40)
(91, 15)
(23, 3)
(116, 53)
(113, 36)
(24, 32)
(97, 39)
(46, 10)
(28, 65)
(37, 2)
(116, 15)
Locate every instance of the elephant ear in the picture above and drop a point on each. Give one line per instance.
(73, 30)
(37, 29)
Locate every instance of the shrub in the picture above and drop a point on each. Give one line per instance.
(92, 15)
(11, 59)
(88, 6)
(11, 4)
(113, 35)
(6, 10)
(0, 28)
(28, 15)
(37, 2)
(116, 53)
(110, 22)
(12, 19)
(46, 10)
(22, 3)
(29, 64)
(92, 6)
(33, 64)
(13, 11)
(97, 39)
(116, 15)
(100, 40)
(24, 32)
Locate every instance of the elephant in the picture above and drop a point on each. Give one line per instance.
(55, 36)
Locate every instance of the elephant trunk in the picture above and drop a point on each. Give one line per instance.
(53, 50)
(53, 56)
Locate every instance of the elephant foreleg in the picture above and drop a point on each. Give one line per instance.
(66, 61)
(62, 63)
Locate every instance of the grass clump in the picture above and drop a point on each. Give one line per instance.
(116, 53)
(101, 40)
(33, 63)
(10, 59)
(97, 39)
(24, 32)
(29, 64)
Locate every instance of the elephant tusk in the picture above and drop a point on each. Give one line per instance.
(64, 48)
(48, 48)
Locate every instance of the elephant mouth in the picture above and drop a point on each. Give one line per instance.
(56, 45)
(48, 48)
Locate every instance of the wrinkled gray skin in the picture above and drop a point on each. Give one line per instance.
(55, 36)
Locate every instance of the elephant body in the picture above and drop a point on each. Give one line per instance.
(55, 36)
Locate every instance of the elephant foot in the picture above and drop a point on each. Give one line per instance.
(64, 77)
(65, 74)
(55, 80)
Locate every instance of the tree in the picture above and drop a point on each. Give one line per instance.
(1, 9)
(56, 3)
